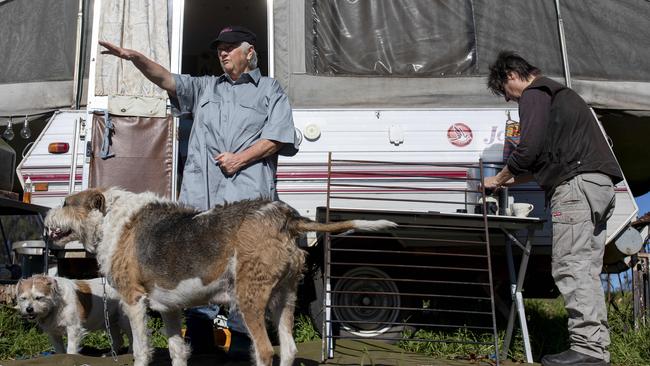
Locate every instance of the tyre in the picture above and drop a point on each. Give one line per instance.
(363, 314)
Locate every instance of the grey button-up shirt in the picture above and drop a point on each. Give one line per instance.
(230, 117)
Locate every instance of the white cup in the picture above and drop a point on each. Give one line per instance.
(521, 209)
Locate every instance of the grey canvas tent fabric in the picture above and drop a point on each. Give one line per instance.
(38, 51)
(37, 54)
(361, 53)
(447, 45)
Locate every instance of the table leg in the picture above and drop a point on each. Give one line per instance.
(7, 243)
(524, 326)
(511, 325)
(46, 250)
(518, 301)
(511, 317)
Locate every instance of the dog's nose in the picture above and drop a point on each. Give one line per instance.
(29, 309)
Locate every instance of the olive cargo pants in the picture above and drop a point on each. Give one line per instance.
(580, 209)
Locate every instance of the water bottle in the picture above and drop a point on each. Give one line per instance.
(27, 193)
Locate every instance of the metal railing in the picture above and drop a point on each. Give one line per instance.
(421, 281)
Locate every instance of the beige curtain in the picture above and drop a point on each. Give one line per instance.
(140, 25)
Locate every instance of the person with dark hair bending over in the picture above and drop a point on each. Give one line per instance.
(562, 148)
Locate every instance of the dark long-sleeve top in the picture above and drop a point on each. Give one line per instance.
(534, 109)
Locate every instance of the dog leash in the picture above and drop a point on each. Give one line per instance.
(107, 322)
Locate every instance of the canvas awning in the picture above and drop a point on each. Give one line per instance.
(425, 54)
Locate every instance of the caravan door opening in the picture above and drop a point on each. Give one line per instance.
(203, 19)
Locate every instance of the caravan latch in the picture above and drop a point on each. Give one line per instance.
(396, 135)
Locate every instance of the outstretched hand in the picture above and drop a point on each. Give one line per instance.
(118, 51)
(156, 73)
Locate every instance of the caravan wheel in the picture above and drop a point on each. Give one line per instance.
(367, 314)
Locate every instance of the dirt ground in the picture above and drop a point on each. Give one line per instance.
(348, 352)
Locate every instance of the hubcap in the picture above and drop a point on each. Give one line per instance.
(359, 303)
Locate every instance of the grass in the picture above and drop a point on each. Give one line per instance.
(439, 348)
(547, 322)
(547, 326)
(21, 339)
(630, 346)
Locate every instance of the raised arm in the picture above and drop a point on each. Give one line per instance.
(151, 70)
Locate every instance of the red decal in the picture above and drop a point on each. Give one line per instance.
(459, 134)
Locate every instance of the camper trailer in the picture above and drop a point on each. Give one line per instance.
(405, 86)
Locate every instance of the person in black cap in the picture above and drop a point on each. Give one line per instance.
(242, 122)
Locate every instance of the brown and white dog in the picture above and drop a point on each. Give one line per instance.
(167, 256)
(61, 306)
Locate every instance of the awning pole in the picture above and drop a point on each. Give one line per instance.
(565, 58)
(77, 83)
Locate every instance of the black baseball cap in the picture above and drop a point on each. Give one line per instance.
(234, 34)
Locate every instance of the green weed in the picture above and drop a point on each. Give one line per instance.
(303, 329)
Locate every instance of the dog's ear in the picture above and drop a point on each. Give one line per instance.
(16, 288)
(97, 201)
(54, 286)
(14, 294)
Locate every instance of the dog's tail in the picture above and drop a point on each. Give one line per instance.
(304, 225)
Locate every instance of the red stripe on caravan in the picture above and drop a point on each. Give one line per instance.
(51, 177)
(50, 167)
(324, 191)
(373, 174)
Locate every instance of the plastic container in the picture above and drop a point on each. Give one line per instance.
(30, 256)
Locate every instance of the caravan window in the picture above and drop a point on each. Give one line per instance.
(419, 38)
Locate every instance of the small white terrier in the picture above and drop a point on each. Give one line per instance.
(62, 306)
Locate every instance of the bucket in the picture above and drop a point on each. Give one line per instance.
(30, 256)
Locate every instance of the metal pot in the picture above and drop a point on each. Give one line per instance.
(473, 194)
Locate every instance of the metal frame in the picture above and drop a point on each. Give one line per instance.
(641, 289)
